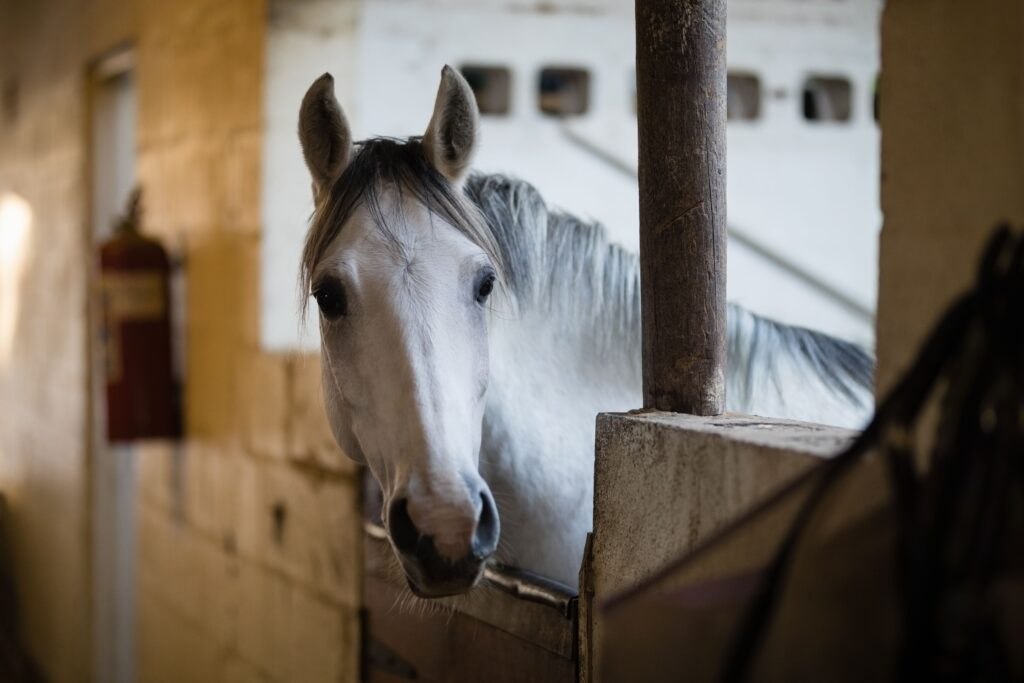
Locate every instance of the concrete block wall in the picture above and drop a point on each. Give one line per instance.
(252, 563)
(248, 534)
(249, 546)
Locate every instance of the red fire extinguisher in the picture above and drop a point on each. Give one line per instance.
(136, 333)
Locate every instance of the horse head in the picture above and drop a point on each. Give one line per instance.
(401, 268)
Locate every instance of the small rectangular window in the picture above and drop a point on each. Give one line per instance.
(564, 91)
(827, 98)
(743, 97)
(876, 86)
(492, 86)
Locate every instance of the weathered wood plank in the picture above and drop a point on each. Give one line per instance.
(489, 635)
(681, 90)
(449, 646)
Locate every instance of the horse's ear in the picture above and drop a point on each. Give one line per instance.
(324, 134)
(450, 139)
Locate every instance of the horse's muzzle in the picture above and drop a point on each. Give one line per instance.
(431, 574)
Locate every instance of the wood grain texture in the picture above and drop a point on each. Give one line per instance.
(681, 89)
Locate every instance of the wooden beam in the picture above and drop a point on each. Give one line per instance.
(680, 74)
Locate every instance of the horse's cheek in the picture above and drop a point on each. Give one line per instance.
(339, 417)
(482, 369)
(341, 427)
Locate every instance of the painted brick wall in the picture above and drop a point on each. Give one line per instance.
(248, 533)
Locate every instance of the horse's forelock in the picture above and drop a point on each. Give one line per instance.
(380, 164)
(547, 260)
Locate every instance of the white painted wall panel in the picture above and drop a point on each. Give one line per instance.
(808, 192)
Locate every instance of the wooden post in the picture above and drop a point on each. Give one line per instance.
(680, 77)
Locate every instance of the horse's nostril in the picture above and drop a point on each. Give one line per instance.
(403, 532)
(485, 540)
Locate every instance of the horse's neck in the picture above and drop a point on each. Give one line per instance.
(570, 350)
(547, 387)
(554, 378)
(537, 349)
(549, 382)
(544, 368)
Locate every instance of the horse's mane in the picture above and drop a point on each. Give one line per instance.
(560, 266)
(547, 260)
(755, 342)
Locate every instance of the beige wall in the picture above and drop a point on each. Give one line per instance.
(248, 553)
(43, 459)
(952, 112)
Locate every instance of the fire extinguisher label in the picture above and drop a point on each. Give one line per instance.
(133, 296)
(127, 297)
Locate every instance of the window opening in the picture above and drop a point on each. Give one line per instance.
(492, 87)
(743, 97)
(564, 91)
(876, 87)
(827, 98)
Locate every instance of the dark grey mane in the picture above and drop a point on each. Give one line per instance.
(755, 344)
(554, 263)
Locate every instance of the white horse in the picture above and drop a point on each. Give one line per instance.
(470, 335)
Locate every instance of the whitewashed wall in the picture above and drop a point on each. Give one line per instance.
(808, 192)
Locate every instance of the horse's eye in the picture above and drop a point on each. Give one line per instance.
(330, 297)
(484, 288)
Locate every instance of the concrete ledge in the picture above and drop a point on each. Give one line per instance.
(664, 482)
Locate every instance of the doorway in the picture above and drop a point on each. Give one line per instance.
(113, 104)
